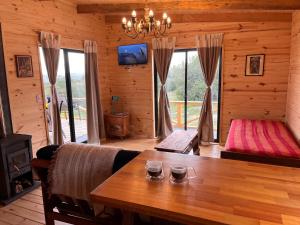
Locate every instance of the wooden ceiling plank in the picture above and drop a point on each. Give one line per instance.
(219, 17)
(192, 5)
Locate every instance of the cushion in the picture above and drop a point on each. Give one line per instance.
(122, 158)
(47, 152)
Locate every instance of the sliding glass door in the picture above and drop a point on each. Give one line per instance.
(71, 92)
(186, 88)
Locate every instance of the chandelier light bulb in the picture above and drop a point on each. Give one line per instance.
(158, 23)
(168, 20)
(133, 14)
(151, 13)
(129, 24)
(124, 20)
(165, 16)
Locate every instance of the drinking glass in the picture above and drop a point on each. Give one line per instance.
(180, 173)
(154, 170)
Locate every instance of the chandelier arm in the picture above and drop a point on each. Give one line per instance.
(135, 27)
(164, 31)
(134, 36)
(156, 35)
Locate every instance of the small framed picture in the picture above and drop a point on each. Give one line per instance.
(255, 65)
(24, 66)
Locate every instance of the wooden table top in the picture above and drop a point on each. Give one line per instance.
(178, 141)
(224, 192)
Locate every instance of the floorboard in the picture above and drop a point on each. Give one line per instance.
(28, 210)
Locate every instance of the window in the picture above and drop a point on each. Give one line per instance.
(186, 87)
(71, 91)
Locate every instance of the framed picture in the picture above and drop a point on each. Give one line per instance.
(255, 65)
(24, 66)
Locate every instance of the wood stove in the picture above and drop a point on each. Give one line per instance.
(15, 169)
(15, 149)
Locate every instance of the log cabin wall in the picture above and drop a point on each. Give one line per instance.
(293, 103)
(242, 97)
(20, 20)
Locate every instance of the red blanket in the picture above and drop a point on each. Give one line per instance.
(262, 137)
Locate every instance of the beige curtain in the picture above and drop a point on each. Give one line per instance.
(51, 46)
(163, 49)
(95, 122)
(209, 50)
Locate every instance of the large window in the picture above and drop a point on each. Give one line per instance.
(186, 88)
(71, 92)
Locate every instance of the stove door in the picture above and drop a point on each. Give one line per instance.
(18, 162)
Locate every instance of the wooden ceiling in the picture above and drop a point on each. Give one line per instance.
(118, 6)
(195, 11)
(116, 1)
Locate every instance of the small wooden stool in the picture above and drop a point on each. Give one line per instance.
(180, 141)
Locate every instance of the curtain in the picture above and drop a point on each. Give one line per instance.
(209, 49)
(163, 49)
(51, 47)
(95, 121)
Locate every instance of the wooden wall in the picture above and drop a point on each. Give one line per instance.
(252, 97)
(20, 20)
(293, 102)
(243, 97)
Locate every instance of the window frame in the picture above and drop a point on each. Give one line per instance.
(66, 51)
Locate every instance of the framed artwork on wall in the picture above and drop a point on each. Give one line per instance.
(255, 65)
(24, 66)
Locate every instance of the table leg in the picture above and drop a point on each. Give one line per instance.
(128, 218)
(196, 150)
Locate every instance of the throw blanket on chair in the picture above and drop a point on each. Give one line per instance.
(77, 169)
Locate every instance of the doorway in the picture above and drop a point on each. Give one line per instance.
(186, 88)
(71, 90)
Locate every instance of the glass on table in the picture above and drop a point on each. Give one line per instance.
(180, 173)
(154, 170)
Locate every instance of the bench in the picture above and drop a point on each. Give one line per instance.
(180, 141)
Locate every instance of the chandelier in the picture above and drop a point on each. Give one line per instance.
(147, 25)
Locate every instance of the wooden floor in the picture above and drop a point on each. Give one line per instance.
(28, 210)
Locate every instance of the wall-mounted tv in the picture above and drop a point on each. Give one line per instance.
(133, 54)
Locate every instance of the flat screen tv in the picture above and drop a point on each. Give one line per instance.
(133, 54)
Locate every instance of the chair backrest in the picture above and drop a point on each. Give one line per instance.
(64, 204)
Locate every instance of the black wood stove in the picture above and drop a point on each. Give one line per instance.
(15, 169)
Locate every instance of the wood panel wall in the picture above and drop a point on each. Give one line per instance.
(243, 97)
(251, 97)
(293, 102)
(21, 19)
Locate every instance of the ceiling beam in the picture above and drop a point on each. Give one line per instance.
(192, 5)
(219, 17)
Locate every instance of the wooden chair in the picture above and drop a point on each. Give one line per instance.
(64, 208)
(78, 212)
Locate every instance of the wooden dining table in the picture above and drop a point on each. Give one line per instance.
(224, 192)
